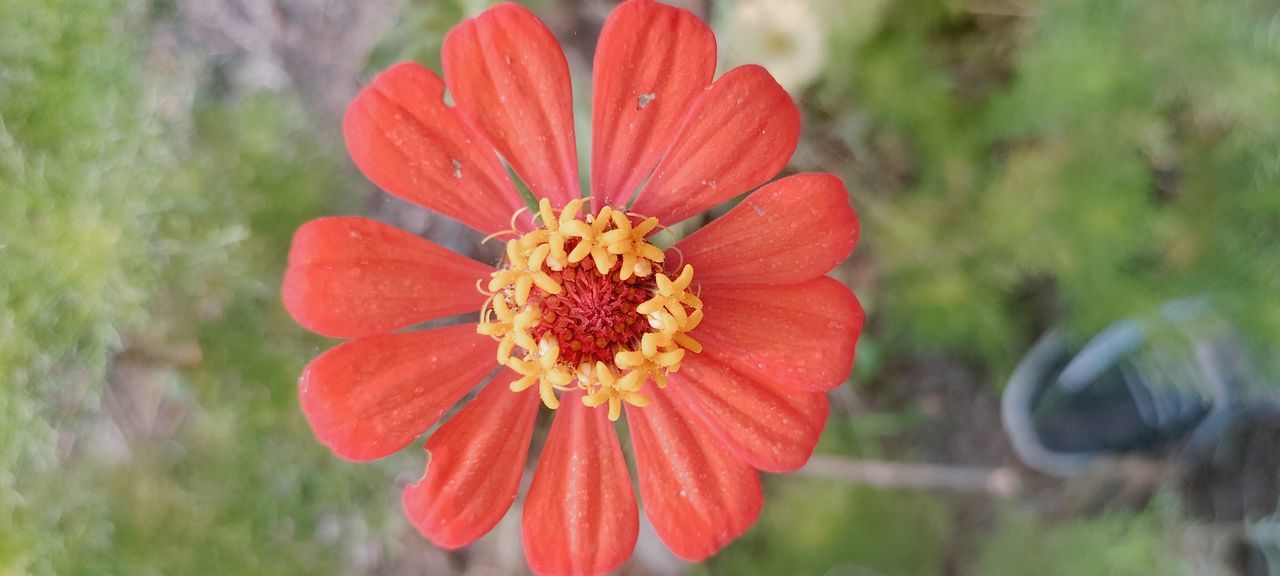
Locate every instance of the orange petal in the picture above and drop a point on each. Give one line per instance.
(476, 460)
(651, 61)
(769, 426)
(368, 398)
(697, 494)
(580, 515)
(737, 135)
(508, 75)
(405, 139)
(353, 277)
(801, 336)
(789, 231)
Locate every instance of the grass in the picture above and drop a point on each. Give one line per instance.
(1117, 544)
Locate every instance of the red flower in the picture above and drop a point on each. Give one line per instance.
(721, 372)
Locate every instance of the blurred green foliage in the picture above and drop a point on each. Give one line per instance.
(419, 35)
(1082, 160)
(1117, 544)
(848, 530)
(242, 488)
(120, 221)
(76, 148)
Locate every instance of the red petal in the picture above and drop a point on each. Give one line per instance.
(769, 426)
(353, 277)
(580, 514)
(476, 460)
(367, 398)
(651, 61)
(697, 494)
(508, 75)
(792, 230)
(406, 140)
(737, 135)
(802, 336)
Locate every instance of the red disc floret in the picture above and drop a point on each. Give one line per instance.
(594, 316)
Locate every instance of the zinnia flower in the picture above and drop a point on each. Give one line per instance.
(718, 350)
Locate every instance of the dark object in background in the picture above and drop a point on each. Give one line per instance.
(1180, 382)
(1227, 477)
(1227, 471)
(1138, 386)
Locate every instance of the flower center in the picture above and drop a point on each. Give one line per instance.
(583, 303)
(594, 316)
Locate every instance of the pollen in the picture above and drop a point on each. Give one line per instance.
(583, 302)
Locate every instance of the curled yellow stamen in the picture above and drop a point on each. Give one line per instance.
(541, 367)
(608, 388)
(629, 243)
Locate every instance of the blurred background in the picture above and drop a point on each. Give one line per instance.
(1070, 262)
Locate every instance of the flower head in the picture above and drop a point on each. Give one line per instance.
(717, 350)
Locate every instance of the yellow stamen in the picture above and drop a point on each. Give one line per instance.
(608, 388)
(629, 243)
(541, 366)
(617, 245)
